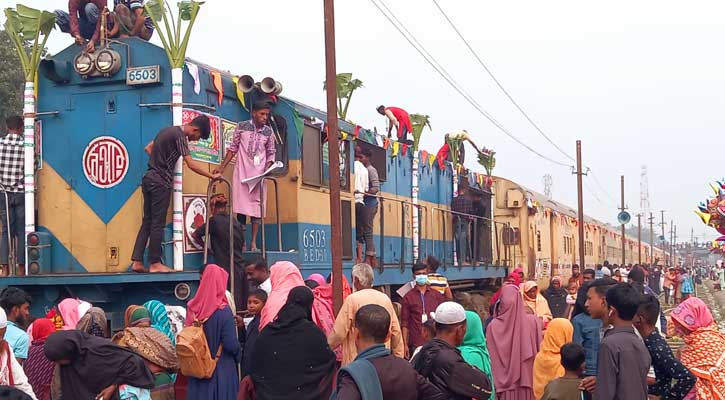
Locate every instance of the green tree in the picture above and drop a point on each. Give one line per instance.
(11, 80)
(346, 86)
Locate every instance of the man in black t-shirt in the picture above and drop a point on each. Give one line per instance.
(169, 144)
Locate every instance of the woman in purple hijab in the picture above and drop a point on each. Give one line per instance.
(513, 340)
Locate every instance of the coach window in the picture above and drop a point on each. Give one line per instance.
(316, 161)
(378, 160)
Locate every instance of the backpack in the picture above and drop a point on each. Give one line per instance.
(193, 352)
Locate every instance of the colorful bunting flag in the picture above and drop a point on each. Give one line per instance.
(343, 135)
(216, 80)
(356, 132)
(396, 148)
(240, 94)
(386, 143)
(405, 148)
(424, 155)
(431, 160)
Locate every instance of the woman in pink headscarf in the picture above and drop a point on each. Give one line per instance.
(317, 278)
(284, 276)
(210, 306)
(72, 310)
(513, 338)
(704, 348)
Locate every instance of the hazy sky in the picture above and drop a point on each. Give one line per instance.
(640, 83)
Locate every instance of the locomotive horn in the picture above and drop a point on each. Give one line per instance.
(277, 88)
(245, 84)
(268, 85)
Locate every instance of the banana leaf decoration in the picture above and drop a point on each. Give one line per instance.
(25, 26)
(418, 122)
(487, 158)
(174, 42)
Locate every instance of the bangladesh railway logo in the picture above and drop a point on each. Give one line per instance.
(105, 162)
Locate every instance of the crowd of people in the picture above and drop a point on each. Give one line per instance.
(597, 338)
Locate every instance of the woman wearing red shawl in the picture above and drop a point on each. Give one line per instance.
(37, 366)
(704, 350)
(323, 312)
(210, 306)
(514, 278)
(513, 338)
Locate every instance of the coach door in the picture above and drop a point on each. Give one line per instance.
(106, 204)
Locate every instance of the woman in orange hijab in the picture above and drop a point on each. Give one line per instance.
(536, 302)
(547, 365)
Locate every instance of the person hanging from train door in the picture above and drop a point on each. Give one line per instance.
(253, 145)
(82, 21)
(12, 198)
(370, 208)
(219, 244)
(170, 144)
(398, 118)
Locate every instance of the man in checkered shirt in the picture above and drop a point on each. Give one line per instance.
(11, 181)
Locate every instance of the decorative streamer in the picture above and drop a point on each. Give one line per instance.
(216, 80)
(240, 94)
(396, 148)
(194, 72)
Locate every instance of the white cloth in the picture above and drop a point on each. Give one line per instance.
(3, 319)
(362, 181)
(194, 72)
(266, 286)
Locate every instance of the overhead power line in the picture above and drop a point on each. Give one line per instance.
(498, 83)
(410, 38)
(508, 95)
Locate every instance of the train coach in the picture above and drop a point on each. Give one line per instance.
(91, 129)
(541, 235)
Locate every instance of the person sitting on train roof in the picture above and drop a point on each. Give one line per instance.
(82, 20)
(418, 306)
(170, 144)
(219, 243)
(398, 118)
(253, 145)
(129, 20)
(12, 204)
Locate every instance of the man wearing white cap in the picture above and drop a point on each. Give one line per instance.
(11, 373)
(440, 360)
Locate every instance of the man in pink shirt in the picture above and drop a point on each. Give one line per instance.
(253, 145)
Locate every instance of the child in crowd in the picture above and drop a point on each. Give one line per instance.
(567, 387)
(429, 332)
(570, 299)
(623, 360)
(666, 367)
(255, 303)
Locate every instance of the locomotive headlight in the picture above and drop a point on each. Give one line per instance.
(108, 61)
(83, 64)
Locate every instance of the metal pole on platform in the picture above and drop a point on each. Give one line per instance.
(639, 239)
(624, 238)
(580, 200)
(651, 238)
(334, 156)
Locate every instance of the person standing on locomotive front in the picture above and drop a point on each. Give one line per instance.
(253, 145)
(11, 183)
(370, 208)
(170, 144)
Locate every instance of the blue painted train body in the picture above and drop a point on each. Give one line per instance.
(91, 229)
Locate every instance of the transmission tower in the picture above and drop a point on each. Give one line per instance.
(548, 183)
(644, 192)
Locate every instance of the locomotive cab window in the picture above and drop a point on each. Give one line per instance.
(316, 161)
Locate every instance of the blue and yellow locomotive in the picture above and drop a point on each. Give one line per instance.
(92, 128)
